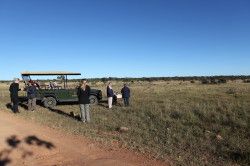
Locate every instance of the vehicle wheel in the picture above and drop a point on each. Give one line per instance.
(93, 100)
(49, 102)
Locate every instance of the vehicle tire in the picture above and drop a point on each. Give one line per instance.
(93, 100)
(49, 102)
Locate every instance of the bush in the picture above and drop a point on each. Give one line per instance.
(205, 81)
(246, 81)
(222, 81)
(231, 91)
(175, 115)
(213, 81)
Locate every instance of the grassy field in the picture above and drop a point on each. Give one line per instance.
(187, 124)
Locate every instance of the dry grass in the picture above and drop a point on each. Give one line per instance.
(191, 124)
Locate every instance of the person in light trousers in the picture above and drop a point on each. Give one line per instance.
(110, 95)
(83, 94)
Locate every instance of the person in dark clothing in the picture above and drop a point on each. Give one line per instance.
(110, 95)
(31, 94)
(14, 88)
(83, 94)
(125, 94)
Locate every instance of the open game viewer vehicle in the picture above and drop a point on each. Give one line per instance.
(51, 95)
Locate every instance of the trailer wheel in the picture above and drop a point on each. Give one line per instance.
(49, 102)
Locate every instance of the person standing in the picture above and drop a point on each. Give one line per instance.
(14, 88)
(125, 95)
(51, 85)
(31, 94)
(83, 94)
(110, 95)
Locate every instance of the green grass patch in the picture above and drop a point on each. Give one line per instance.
(191, 124)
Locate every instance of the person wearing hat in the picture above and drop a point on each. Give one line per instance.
(14, 88)
(125, 95)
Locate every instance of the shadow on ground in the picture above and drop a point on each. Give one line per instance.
(103, 103)
(116, 102)
(13, 145)
(24, 106)
(58, 111)
(8, 106)
(70, 115)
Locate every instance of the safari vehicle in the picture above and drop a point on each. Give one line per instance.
(50, 95)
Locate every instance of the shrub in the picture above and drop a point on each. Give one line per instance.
(222, 81)
(175, 115)
(231, 91)
(205, 81)
(246, 81)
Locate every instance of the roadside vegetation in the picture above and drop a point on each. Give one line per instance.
(187, 123)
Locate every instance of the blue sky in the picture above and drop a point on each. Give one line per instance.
(125, 38)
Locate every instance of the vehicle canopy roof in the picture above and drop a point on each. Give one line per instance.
(47, 73)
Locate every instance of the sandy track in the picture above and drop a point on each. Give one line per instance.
(25, 143)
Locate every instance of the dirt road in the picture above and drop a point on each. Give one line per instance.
(25, 143)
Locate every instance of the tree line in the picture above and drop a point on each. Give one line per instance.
(192, 79)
